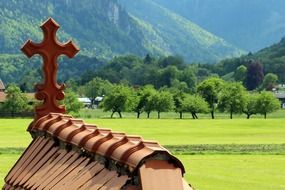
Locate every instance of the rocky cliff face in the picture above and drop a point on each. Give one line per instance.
(99, 27)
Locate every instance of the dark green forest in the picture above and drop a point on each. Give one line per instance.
(163, 71)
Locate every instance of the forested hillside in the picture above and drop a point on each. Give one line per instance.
(104, 28)
(181, 36)
(99, 27)
(272, 58)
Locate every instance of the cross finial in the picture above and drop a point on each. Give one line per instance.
(50, 91)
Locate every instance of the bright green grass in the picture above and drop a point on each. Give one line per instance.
(170, 131)
(6, 163)
(13, 132)
(222, 131)
(235, 172)
(209, 171)
(98, 113)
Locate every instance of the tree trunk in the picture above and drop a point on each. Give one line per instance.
(212, 114)
(181, 115)
(158, 115)
(231, 115)
(148, 113)
(265, 115)
(120, 114)
(248, 116)
(193, 117)
(138, 115)
(196, 117)
(112, 114)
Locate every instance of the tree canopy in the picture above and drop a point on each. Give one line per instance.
(267, 103)
(16, 101)
(232, 98)
(210, 89)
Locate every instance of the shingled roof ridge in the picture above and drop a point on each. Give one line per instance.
(127, 150)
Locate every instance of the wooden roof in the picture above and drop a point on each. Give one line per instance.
(67, 153)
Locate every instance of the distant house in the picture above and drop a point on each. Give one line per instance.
(281, 97)
(85, 101)
(2, 92)
(98, 100)
(30, 96)
(2, 97)
(88, 103)
(2, 86)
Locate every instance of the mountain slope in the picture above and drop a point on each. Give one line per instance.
(182, 36)
(272, 58)
(249, 24)
(103, 28)
(99, 27)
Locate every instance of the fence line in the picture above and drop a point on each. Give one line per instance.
(12, 115)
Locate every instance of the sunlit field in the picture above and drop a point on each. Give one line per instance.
(220, 154)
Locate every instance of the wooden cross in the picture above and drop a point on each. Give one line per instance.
(50, 49)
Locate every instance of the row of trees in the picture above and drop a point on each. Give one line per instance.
(212, 94)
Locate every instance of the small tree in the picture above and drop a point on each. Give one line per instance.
(267, 103)
(71, 102)
(163, 102)
(232, 98)
(240, 74)
(254, 75)
(178, 103)
(269, 81)
(194, 104)
(120, 99)
(210, 89)
(15, 101)
(250, 107)
(148, 94)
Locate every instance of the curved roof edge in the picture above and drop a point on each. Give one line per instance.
(132, 151)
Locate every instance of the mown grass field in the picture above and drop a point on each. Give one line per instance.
(220, 154)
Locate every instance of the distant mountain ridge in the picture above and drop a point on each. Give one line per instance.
(248, 24)
(182, 36)
(106, 28)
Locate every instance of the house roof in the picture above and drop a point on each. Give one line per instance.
(280, 95)
(67, 153)
(84, 100)
(2, 86)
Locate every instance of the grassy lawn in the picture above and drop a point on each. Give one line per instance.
(220, 131)
(218, 154)
(231, 172)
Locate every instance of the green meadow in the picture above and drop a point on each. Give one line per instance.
(219, 154)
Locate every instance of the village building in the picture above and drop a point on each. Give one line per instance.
(2, 86)
(2, 92)
(85, 101)
(281, 98)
